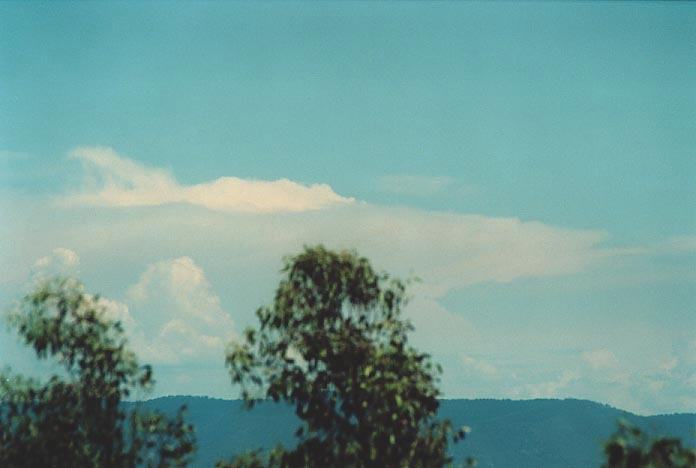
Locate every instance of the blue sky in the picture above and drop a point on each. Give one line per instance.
(532, 163)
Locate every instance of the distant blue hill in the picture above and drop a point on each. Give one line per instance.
(505, 433)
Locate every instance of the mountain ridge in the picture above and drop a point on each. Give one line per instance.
(521, 433)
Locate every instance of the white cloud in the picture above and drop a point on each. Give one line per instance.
(178, 318)
(418, 185)
(61, 261)
(438, 329)
(673, 245)
(446, 250)
(600, 358)
(449, 250)
(669, 364)
(113, 180)
(59, 258)
(691, 381)
(66, 256)
(43, 262)
(116, 311)
(655, 384)
(549, 389)
(677, 244)
(171, 315)
(479, 366)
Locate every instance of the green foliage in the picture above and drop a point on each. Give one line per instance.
(333, 344)
(77, 418)
(629, 447)
(254, 459)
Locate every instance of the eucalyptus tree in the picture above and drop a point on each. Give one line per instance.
(630, 447)
(77, 416)
(334, 345)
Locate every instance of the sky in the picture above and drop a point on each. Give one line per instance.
(533, 164)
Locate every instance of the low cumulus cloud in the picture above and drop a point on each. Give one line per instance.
(554, 388)
(479, 366)
(114, 180)
(61, 261)
(60, 258)
(171, 314)
(658, 384)
(600, 358)
(177, 317)
(115, 311)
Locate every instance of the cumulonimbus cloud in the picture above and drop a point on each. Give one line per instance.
(114, 180)
(178, 316)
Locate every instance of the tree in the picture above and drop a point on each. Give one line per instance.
(78, 418)
(629, 447)
(334, 345)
